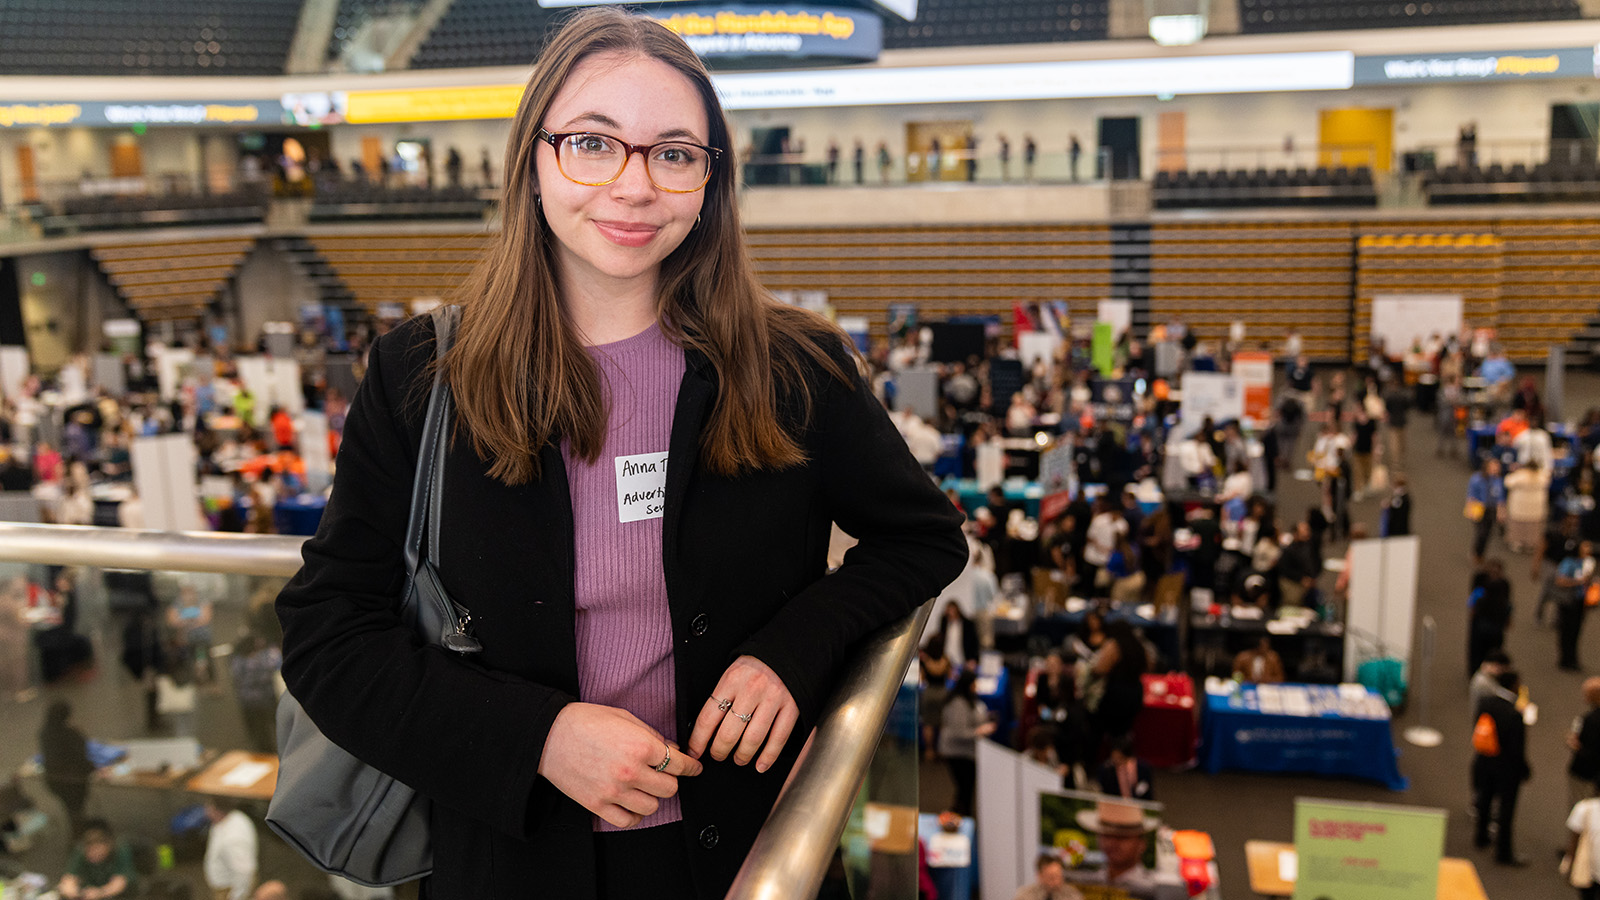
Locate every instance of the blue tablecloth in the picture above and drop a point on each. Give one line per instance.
(1237, 735)
(299, 515)
(971, 497)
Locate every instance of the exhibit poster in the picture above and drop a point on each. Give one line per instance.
(1366, 851)
(1107, 844)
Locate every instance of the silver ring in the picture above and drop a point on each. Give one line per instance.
(744, 718)
(723, 705)
(663, 766)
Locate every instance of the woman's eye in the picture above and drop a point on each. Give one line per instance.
(590, 144)
(677, 155)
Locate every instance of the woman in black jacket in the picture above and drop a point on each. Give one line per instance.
(655, 641)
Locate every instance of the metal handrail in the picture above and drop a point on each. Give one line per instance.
(797, 842)
(134, 548)
(792, 852)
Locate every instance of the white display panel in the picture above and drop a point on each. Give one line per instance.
(1380, 616)
(1400, 319)
(164, 476)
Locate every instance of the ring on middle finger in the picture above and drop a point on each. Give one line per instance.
(723, 705)
(743, 718)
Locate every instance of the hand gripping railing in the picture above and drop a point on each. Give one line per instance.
(792, 852)
(795, 846)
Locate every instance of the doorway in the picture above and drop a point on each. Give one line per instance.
(1119, 149)
(126, 160)
(1574, 133)
(940, 151)
(1171, 143)
(768, 157)
(27, 175)
(1356, 137)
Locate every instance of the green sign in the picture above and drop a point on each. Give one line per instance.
(1367, 851)
(1102, 349)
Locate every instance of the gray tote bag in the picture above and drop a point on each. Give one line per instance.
(344, 816)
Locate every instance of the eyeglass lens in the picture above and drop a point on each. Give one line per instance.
(598, 159)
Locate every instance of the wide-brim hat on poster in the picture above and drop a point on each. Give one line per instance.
(1117, 820)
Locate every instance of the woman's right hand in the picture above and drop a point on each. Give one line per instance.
(605, 759)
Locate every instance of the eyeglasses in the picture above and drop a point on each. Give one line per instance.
(585, 157)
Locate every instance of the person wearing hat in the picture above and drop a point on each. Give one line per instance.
(1050, 882)
(1120, 829)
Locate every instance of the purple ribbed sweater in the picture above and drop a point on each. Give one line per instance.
(624, 631)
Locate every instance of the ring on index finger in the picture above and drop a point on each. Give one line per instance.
(664, 762)
(724, 705)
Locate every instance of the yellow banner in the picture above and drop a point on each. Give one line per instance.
(801, 23)
(220, 112)
(433, 104)
(1528, 65)
(39, 114)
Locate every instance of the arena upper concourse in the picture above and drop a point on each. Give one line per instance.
(1122, 193)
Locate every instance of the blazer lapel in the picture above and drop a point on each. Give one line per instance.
(696, 392)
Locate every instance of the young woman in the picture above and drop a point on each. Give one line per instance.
(656, 643)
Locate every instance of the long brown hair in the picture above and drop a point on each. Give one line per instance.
(519, 372)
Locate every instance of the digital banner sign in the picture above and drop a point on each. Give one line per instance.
(717, 32)
(1366, 851)
(1506, 65)
(96, 114)
(1312, 71)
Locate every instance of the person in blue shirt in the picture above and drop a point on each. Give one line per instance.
(1498, 374)
(1486, 496)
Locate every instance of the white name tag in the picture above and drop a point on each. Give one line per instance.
(641, 486)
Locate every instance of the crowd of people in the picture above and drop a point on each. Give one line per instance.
(1135, 522)
(1531, 494)
(180, 641)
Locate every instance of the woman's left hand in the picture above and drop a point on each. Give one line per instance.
(748, 690)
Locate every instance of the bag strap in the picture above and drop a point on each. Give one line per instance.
(426, 487)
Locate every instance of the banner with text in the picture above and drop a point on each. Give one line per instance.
(1366, 851)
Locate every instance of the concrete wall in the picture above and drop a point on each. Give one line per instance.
(271, 288)
(63, 315)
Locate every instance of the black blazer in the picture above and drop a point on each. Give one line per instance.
(744, 561)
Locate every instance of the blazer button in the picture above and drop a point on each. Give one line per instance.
(698, 626)
(709, 837)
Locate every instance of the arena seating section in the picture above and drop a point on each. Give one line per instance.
(400, 267)
(1261, 16)
(1322, 186)
(944, 270)
(146, 37)
(353, 14)
(1518, 183)
(103, 213)
(353, 200)
(171, 280)
(1273, 276)
(960, 23)
(487, 33)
